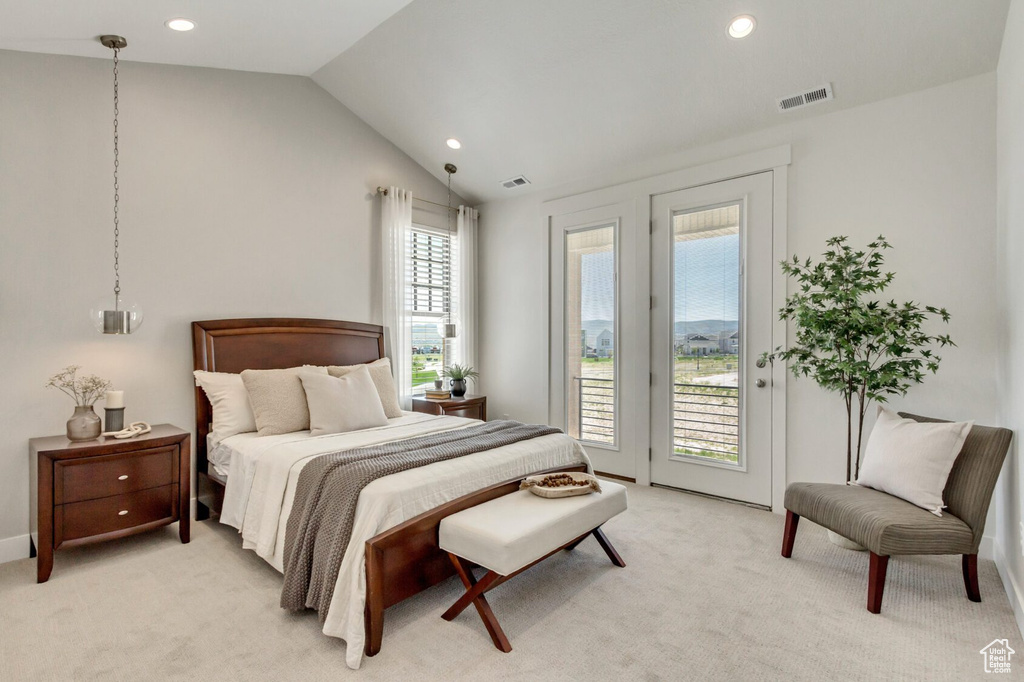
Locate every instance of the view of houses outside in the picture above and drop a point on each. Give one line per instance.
(706, 338)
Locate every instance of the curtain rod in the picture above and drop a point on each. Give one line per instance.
(384, 191)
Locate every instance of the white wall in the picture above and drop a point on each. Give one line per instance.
(919, 169)
(1010, 216)
(242, 194)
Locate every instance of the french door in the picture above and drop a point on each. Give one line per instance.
(711, 317)
(595, 364)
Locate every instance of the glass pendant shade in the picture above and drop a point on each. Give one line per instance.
(448, 329)
(112, 315)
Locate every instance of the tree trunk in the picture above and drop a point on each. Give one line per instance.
(862, 407)
(849, 433)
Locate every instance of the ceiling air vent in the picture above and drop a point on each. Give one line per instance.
(804, 99)
(517, 181)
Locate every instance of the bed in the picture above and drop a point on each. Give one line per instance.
(248, 480)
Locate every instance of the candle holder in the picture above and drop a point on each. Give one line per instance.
(113, 419)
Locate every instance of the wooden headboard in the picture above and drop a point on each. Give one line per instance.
(274, 343)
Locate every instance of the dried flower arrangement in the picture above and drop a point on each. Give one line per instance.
(85, 390)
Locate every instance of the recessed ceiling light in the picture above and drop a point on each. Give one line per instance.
(742, 26)
(180, 24)
(453, 143)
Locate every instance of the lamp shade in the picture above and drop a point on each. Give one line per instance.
(112, 315)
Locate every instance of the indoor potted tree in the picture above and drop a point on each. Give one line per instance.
(850, 342)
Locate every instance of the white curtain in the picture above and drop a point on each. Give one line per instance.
(396, 224)
(465, 342)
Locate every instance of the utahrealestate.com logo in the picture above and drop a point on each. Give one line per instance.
(997, 656)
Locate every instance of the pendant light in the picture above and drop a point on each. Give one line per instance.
(447, 327)
(112, 315)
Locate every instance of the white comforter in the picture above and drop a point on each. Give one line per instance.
(264, 472)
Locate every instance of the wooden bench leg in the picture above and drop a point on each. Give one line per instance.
(789, 534)
(475, 595)
(575, 543)
(606, 545)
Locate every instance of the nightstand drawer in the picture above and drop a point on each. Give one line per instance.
(95, 477)
(108, 514)
(467, 411)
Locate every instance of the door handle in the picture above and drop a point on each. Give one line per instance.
(760, 383)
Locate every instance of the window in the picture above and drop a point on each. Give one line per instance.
(431, 291)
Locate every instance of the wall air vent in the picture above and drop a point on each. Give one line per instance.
(805, 99)
(517, 181)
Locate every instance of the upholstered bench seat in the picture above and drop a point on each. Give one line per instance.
(509, 534)
(882, 523)
(513, 531)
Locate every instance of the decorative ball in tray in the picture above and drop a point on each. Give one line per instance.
(565, 484)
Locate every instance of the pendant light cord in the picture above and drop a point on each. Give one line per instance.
(117, 232)
(448, 278)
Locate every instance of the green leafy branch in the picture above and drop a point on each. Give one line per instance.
(850, 342)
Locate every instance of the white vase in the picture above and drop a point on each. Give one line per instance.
(839, 541)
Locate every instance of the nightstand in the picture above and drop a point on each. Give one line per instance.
(107, 488)
(469, 406)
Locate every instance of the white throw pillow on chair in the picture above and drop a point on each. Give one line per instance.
(910, 459)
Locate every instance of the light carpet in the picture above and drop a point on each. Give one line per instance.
(705, 595)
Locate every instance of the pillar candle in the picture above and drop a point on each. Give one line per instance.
(114, 399)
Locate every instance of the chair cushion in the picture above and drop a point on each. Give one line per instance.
(512, 531)
(884, 524)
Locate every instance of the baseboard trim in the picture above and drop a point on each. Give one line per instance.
(1013, 590)
(12, 549)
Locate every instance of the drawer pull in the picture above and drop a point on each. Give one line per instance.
(123, 477)
(123, 512)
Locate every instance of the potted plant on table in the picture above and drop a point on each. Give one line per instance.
(850, 342)
(459, 374)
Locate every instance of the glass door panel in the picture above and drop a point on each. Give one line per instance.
(706, 333)
(590, 332)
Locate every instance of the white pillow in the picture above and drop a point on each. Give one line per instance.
(380, 372)
(277, 399)
(232, 412)
(911, 459)
(341, 404)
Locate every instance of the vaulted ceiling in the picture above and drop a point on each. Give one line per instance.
(555, 90)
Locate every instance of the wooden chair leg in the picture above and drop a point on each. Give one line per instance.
(970, 566)
(789, 534)
(606, 545)
(876, 581)
(475, 595)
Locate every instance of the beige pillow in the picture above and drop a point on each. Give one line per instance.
(380, 373)
(231, 410)
(278, 400)
(912, 459)
(340, 404)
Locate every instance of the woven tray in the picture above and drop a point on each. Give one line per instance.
(586, 484)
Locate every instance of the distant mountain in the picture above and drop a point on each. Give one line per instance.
(595, 327)
(425, 334)
(706, 327)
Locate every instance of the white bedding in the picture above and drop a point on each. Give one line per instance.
(263, 473)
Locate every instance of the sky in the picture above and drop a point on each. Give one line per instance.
(706, 281)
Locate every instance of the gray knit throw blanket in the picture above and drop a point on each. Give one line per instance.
(320, 525)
